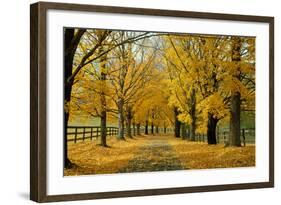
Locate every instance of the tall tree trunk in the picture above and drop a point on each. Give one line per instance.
(235, 100)
(67, 162)
(71, 42)
(183, 131)
(235, 108)
(211, 129)
(138, 128)
(134, 129)
(193, 115)
(192, 131)
(103, 100)
(128, 128)
(120, 135)
(157, 129)
(129, 122)
(177, 123)
(103, 128)
(152, 128)
(188, 131)
(146, 128)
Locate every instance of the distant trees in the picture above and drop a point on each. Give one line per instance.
(151, 108)
(131, 67)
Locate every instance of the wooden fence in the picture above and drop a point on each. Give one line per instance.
(81, 133)
(75, 133)
(247, 136)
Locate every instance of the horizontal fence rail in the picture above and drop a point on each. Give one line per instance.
(81, 133)
(76, 133)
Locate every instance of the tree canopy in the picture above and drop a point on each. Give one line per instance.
(160, 79)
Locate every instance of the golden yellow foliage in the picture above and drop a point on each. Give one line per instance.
(152, 77)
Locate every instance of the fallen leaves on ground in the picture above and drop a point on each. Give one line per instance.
(89, 158)
(199, 155)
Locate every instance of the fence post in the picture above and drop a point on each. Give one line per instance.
(244, 139)
(75, 136)
(91, 133)
(224, 138)
(218, 135)
(84, 133)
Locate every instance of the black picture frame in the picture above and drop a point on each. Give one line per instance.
(38, 102)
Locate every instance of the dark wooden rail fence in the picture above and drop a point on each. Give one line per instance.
(75, 133)
(247, 135)
(78, 133)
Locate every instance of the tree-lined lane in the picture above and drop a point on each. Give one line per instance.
(156, 155)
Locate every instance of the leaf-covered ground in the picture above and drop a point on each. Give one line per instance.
(154, 153)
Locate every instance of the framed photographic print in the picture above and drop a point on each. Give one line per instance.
(134, 102)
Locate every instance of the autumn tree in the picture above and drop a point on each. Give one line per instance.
(93, 47)
(131, 71)
(210, 76)
(199, 68)
(103, 86)
(190, 82)
(71, 41)
(243, 85)
(220, 83)
(71, 69)
(152, 107)
(178, 55)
